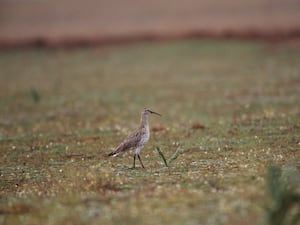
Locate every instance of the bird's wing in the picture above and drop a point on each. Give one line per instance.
(131, 141)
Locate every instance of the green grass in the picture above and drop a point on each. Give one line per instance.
(230, 109)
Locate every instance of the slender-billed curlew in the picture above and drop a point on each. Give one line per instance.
(137, 139)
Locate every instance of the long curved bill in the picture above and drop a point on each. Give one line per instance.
(155, 113)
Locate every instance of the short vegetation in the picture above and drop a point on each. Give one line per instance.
(226, 150)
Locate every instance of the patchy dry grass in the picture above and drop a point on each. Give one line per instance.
(230, 109)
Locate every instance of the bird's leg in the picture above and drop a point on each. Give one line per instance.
(141, 161)
(133, 166)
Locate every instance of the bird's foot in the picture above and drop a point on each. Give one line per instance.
(132, 168)
(136, 168)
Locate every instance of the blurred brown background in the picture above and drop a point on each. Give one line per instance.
(46, 22)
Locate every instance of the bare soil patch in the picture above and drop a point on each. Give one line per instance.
(72, 23)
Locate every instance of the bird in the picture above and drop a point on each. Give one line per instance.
(137, 139)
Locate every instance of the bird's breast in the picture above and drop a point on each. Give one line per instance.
(145, 137)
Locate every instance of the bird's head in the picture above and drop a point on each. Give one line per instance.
(148, 112)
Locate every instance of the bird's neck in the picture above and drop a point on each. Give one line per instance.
(144, 121)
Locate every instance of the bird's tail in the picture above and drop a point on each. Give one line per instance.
(121, 148)
(114, 153)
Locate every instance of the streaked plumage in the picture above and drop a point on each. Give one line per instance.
(137, 139)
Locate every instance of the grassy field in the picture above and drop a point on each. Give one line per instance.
(230, 110)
